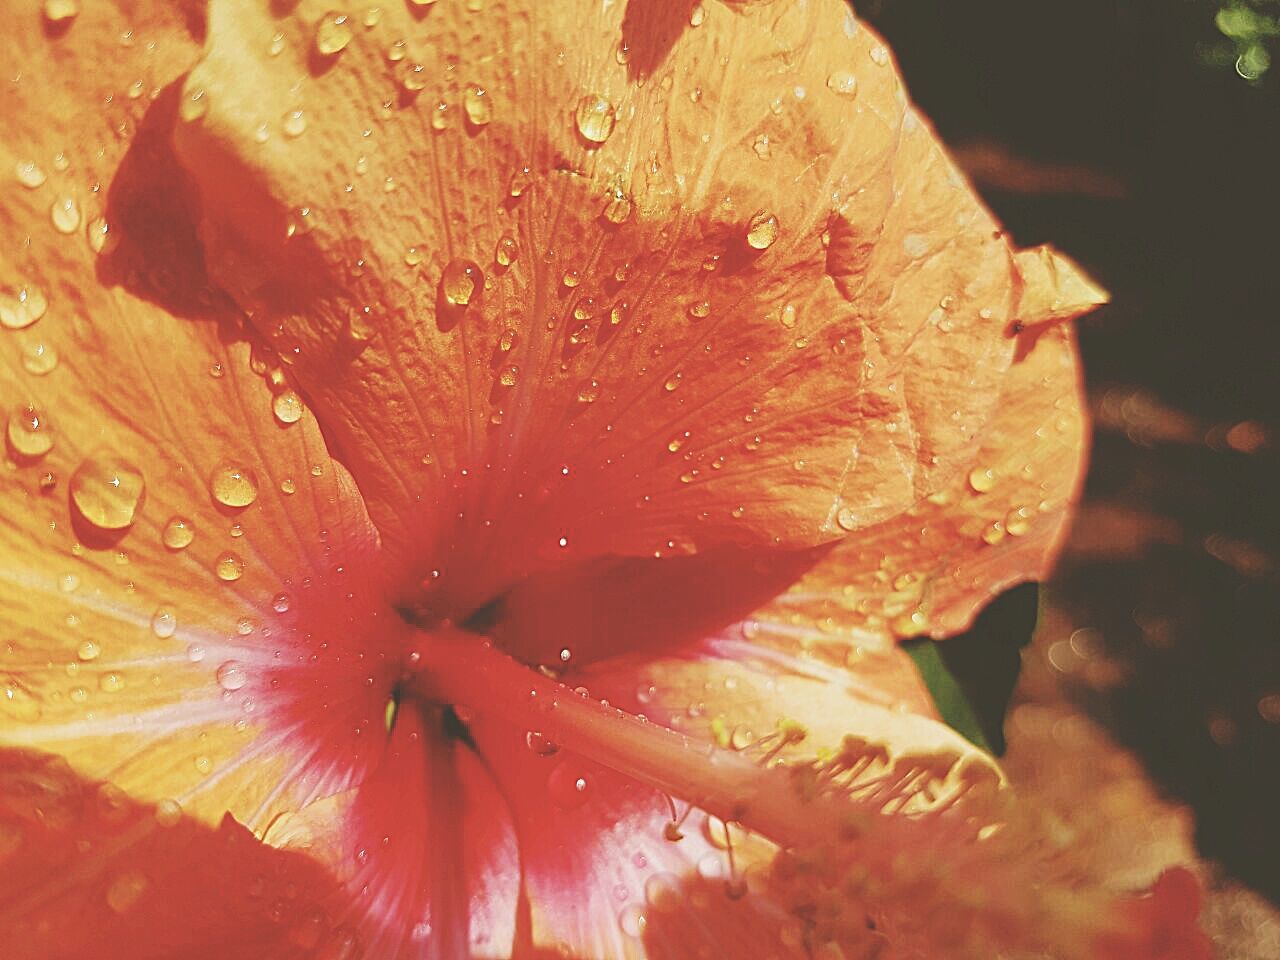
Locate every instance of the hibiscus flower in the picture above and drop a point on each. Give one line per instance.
(468, 468)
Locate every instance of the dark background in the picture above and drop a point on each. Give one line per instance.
(1099, 126)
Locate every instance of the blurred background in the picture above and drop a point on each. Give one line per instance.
(1143, 138)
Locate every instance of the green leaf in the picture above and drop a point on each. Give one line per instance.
(971, 676)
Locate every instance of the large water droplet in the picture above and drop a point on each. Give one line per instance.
(843, 83)
(107, 491)
(595, 117)
(459, 282)
(762, 231)
(126, 890)
(333, 33)
(229, 567)
(22, 306)
(61, 11)
(506, 251)
(178, 533)
(164, 623)
(39, 358)
(29, 432)
(478, 105)
(287, 407)
(233, 485)
(232, 675)
(982, 479)
(294, 123)
(29, 174)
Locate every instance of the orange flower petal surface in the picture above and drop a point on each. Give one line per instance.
(568, 280)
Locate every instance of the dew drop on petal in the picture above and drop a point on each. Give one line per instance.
(193, 105)
(280, 603)
(111, 682)
(232, 676)
(168, 813)
(294, 123)
(982, 479)
(107, 491)
(539, 744)
(126, 890)
(632, 921)
(761, 146)
(415, 79)
(60, 11)
(589, 392)
(287, 407)
(88, 651)
(164, 623)
(478, 105)
(459, 282)
(847, 519)
(229, 567)
(65, 215)
(29, 432)
(762, 231)
(595, 117)
(506, 251)
(233, 486)
(333, 33)
(22, 306)
(39, 358)
(29, 174)
(843, 83)
(178, 533)
(617, 208)
(509, 375)
(101, 239)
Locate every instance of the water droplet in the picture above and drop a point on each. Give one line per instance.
(761, 146)
(29, 432)
(879, 56)
(29, 174)
(397, 50)
(568, 788)
(617, 208)
(39, 358)
(164, 623)
(333, 33)
(280, 603)
(65, 215)
(619, 312)
(520, 181)
(22, 307)
(126, 889)
(287, 407)
(372, 17)
(203, 764)
(1018, 521)
(111, 682)
(414, 80)
(294, 123)
(168, 813)
(229, 567)
(571, 278)
(632, 921)
(678, 441)
(506, 251)
(509, 375)
(847, 519)
(700, 309)
(589, 392)
(673, 382)
(178, 533)
(982, 479)
(88, 651)
(595, 117)
(478, 105)
(232, 675)
(539, 744)
(233, 486)
(107, 492)
(60, 11)
(193, 105)
(17, 702)
(843, 83)
(459, 282)
(762, 231)
(994, 533)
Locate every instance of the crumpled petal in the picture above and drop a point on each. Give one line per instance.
(645, 362)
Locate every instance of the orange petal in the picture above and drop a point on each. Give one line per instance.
(668, 287)
(194, 609)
